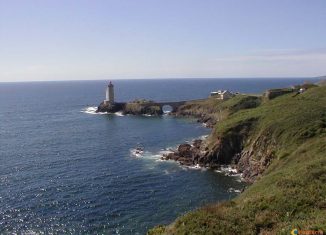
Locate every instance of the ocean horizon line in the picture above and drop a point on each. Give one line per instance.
(162, 78)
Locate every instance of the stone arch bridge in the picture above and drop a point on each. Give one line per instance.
(173, 104)
(142, 107)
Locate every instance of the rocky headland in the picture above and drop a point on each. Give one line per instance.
(214, 152)
(277, 142)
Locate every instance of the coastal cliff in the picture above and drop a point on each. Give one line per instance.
(220, 149)
(278, 145)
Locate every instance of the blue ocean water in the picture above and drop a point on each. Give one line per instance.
(63, 170)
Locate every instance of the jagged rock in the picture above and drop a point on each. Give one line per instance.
(170, 156)
(187, 154)
(197, 143)
(184, 150)
(253, 162)
(228, 149)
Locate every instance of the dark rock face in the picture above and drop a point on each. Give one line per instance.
(189, 155)
(254, 161)
(228, 149)
(131, 108)
(207, 120)
(184, 150)
(110, 108)
(232, 143)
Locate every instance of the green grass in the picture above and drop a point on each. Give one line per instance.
(216, 109)
(291, 193)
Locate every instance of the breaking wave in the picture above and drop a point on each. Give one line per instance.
(230, 171)
(92, 110)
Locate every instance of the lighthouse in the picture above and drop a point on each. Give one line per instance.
(109, 95)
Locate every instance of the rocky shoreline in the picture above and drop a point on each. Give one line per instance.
(276, 144)
(196, 155)
(191, 155)
(226, 150)
(219, 149)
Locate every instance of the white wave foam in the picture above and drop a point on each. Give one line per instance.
(203, 137)
(196, 167)
(136, 152)
(119, 114)
(165, 151)
(233, 190)
(229, 171)
(190, 141)
(91, 110)
(153, 156)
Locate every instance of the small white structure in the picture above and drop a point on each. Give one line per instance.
(222, 95)
(109, 94)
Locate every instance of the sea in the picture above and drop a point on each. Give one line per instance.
(66, 170)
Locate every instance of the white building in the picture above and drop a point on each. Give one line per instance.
(222, 95)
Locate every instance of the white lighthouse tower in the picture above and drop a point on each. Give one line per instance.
(109, 94)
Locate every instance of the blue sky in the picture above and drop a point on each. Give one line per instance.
(112, 39)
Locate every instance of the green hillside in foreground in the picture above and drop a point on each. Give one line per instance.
(291, 191)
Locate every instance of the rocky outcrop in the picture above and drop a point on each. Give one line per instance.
(110, 107)
(138, 107)
(208, 120)
(228, 149)
(189, 155)
(143, 108)
(255, 160)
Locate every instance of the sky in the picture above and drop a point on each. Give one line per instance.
(127, 39)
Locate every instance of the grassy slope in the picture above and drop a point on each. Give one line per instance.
(292, 191)
(218, 109)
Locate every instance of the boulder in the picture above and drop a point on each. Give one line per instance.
(184, 150)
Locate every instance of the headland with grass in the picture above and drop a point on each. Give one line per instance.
(278, 143)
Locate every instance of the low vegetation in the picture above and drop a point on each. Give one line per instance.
(213, 110)
(291, 191)
(139, 107)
